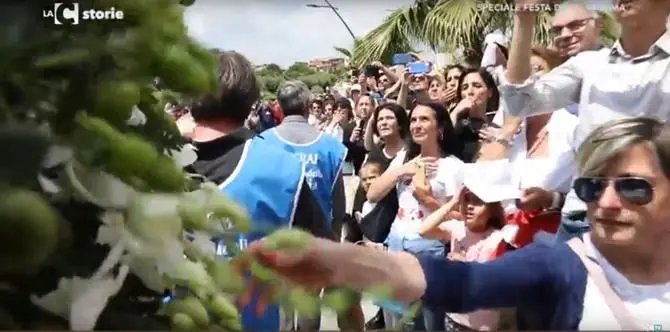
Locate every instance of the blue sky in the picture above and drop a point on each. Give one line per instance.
(283, 31)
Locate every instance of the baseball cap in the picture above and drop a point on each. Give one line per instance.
(492, 181)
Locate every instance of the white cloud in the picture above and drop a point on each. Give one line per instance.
(283, 31)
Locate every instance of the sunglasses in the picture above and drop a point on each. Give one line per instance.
(638, 191)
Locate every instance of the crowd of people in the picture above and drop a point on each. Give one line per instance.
(537, 182)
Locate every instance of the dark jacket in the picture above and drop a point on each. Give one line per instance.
(548, 279)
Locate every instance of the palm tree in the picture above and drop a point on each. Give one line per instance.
(348, 53)
(448, 26)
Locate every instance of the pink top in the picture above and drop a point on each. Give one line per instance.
(476, 247)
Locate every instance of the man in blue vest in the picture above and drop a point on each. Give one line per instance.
(237, 160)
(322, 155)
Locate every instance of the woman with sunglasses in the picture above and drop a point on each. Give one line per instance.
(616, 277)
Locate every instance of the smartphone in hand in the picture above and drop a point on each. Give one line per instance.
(402, 58)
(371, 71)
(416, 68)
(421, 176)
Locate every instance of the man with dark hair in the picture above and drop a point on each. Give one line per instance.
(236, 159)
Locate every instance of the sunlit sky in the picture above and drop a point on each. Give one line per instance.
(283, 31)
(286, 31)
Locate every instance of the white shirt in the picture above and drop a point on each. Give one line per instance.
(312, 120)
(367, 208)
(555, 171)
(608, 84)
(649, 305)
(335, 130)
(444, 184)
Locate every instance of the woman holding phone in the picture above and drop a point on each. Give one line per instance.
(425, 175)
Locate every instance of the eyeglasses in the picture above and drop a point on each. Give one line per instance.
(572, 26)
(635, 190)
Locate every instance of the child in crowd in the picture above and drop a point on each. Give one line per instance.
(369, 172)
(476, 238)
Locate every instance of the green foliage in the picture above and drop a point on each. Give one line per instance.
(271, 76)
(296, 70)
(317, 89)
(448, 26)
(320, 79)
(66, 95)
(271, 83)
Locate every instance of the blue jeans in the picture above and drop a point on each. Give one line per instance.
(430, 319)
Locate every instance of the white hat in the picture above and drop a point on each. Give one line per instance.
(355, 87)
(491, 42)
(492, 181)
(497, 37)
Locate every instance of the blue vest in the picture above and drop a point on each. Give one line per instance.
(323, 159)
(270, 196)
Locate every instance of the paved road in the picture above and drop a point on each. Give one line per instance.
(328, 318)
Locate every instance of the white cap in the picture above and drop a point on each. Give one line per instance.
(492, 181)
(355, 87)
(496, 37)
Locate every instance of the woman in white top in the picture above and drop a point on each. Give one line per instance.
(426, 175)
(341, 116)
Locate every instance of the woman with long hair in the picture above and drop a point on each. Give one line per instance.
(452, 75)
(385, 136)
(389, 123)
(425, 175)
(354, 132)
(478, 101)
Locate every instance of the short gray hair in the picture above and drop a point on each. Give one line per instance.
(572, 4)
(611, 139)
(294, 97)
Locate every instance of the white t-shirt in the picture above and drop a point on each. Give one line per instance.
(444, 184)
(648, 304)
(335, 130)
(367, 207)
